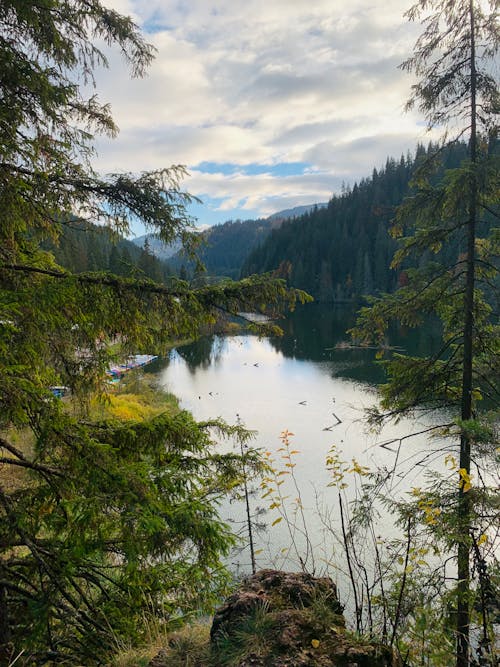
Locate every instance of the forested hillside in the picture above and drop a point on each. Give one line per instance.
(226, 246)
(337, 252)
(83, 246)
(104, 517)
(344, 251)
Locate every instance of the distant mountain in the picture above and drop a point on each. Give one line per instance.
(84, 246)
(157, 247)
(227, 245)
(164, 251)
(295, 212)
(343, 251)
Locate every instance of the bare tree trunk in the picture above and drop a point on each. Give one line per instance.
(464, 505)
(358, 608)
(4, 630)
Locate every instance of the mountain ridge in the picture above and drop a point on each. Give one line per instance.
(343, 252)
(165, 251)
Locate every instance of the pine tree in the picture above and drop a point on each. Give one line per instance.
(452, 60)
(99, 521)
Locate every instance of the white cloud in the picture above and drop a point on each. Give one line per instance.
(252, 81)
(263, 191)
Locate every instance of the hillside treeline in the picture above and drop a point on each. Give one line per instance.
(339, 252)
(225, 247)
(83, 247)
(343, 252)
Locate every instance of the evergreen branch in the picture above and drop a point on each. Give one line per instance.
(206, 294)
(10, 568)
(494, 388)
(488, 265)
(53, 576)
(426, 286)
(6, 583)
(489, 209)
(22, 461)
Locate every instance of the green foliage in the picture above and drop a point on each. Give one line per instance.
(343, 251)
(83, 247)
(100, 520)
(425, 632)
(436, 215)
(225, 247)
(403, 587)
(113, 518)
(452, 61)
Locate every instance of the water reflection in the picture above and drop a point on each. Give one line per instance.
(317, 332)
(202, 353)
(301, 382)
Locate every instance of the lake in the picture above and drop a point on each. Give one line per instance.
(304, 383)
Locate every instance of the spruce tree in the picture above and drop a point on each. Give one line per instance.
(455, 88)
(99, 521)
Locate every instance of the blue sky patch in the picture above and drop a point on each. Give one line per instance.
(206, 213)
(253, 169)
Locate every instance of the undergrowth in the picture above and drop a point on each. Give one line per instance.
(136, 397)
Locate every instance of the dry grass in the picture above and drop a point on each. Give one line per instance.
(136, 397)
(135, 657)
(14, 477)
(188, 647)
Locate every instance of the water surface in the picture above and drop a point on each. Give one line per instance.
(304, 383)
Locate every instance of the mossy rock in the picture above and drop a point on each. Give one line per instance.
(277, 619)
(283, 619)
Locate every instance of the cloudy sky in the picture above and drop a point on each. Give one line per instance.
(269, 103)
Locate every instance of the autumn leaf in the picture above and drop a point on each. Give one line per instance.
(465, 480)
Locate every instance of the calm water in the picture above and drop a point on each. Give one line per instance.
(303, 383)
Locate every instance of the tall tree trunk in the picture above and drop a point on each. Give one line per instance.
(464, 505)
(4, 630)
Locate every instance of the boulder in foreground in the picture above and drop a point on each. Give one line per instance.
(276, 619)
(283, 619)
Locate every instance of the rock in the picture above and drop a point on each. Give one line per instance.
(160, 659)
(276, 591)
(284, 619)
